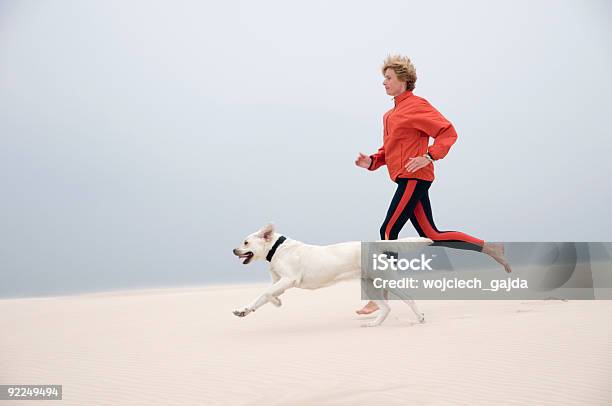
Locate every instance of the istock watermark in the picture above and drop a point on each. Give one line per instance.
(540, 270)
(443, 284)
(383, 262)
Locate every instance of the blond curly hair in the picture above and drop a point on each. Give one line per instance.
(404, 69)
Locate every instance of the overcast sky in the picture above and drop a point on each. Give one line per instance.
(141, 140)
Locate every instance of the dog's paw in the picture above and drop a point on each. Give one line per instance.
(276, 302)
(377, 321)
(242, 313)
(422, 318)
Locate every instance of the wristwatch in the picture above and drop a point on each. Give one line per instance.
(428, 157)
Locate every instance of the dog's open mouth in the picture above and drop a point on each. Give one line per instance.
(247, 256)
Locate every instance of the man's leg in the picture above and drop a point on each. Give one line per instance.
(423, 221)
(406, 197)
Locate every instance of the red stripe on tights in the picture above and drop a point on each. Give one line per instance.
(400, 207)
(434, 235)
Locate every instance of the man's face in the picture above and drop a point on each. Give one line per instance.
(392, 84)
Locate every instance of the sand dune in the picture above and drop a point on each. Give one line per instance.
(184, 347)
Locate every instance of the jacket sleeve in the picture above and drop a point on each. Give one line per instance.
(430, 121)
(378, 159)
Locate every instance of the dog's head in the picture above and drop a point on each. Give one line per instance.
(256, 246)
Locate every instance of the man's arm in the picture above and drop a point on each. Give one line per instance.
(378, 159)
(430, 121)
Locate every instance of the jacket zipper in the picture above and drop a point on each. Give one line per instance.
(387, 119)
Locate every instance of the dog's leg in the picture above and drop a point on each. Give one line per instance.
(420, 316)
(268, 296)
(383, 312)
(276, 301)
(406, 298)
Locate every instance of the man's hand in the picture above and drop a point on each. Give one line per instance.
(414, 164)
(363, 161)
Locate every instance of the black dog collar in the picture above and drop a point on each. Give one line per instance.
(278, 242)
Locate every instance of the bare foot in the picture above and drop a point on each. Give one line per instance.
(496, 251)
(371, 307)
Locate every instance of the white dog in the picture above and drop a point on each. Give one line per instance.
(294, 264)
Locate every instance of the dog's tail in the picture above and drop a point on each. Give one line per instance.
(418, 241)
(407, 243)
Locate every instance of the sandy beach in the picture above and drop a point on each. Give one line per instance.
(185, 347)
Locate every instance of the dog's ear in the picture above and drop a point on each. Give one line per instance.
(267, 232)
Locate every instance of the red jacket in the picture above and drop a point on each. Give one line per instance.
(407, 128)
